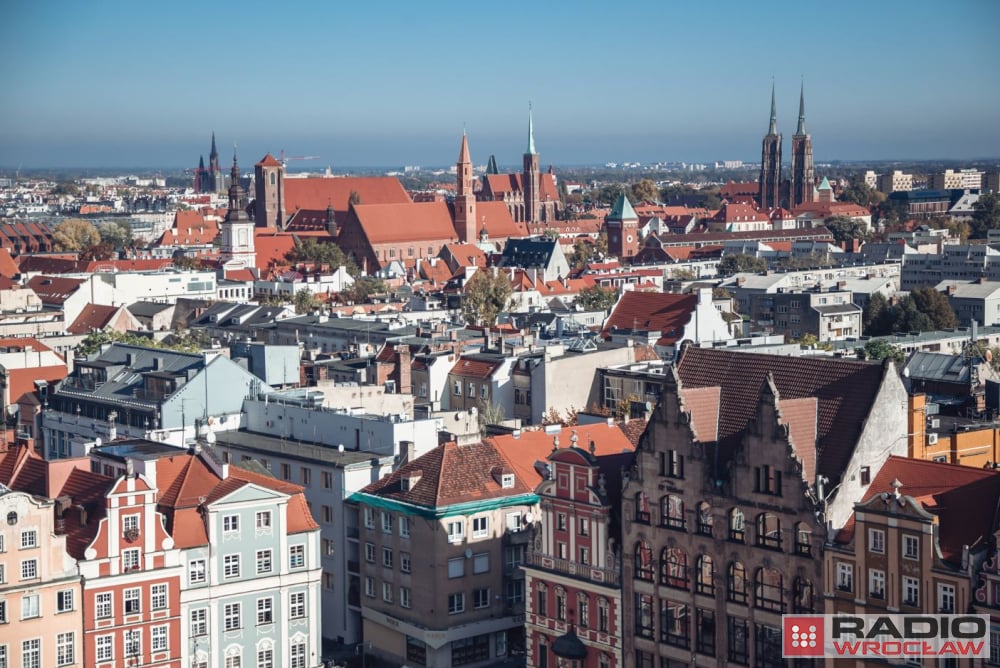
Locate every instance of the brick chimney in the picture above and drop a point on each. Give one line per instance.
(404, 362)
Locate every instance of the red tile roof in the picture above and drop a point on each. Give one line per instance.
(271, 248)
(93, 317)
(268, 161)
(844, 390)
(318, 193)
(474, 368)
(652, 312)
(402, 223)
(495, 216)
(8, 267)
(190, 229)
(964, 499)
(54, 290)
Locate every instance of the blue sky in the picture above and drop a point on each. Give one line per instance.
(134, 84)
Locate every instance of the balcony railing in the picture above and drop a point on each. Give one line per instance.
(585, 571)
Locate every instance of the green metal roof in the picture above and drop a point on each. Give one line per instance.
(622, 210)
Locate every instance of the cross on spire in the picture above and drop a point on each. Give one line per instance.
(773, 128)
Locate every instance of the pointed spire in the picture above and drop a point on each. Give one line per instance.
(236, 167)
(463, 154)
(773, 128)
(214, 152)
(201, 162)
(491, 166)
(802, 110)
(531, 132)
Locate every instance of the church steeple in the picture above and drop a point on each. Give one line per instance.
(531, 133)
(465, 197)
(801, 130)
(463, 153)
(773, 127)
(237, 228)
(215, 153)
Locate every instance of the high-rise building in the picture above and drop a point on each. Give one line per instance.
(770, 162)
(803, 175)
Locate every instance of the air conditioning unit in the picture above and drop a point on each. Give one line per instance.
(932, 439)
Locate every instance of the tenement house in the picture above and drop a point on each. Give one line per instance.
(746, 465)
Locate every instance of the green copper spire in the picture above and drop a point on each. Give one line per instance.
(802, 110)
(773, 128)
(531, 133)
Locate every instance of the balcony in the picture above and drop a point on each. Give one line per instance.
(574, 569)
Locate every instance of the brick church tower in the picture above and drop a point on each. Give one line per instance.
(803, 173)
(465, 199)
(531, 178)
(770, 163)
(269, 185)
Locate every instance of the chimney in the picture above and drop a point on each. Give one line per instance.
(407, 451)
(404, 361)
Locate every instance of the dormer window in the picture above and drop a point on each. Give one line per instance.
(409, 480)
(507, 480)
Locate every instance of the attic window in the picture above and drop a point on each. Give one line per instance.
(507, 480)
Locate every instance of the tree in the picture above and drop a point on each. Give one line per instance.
(489, 414)
(551, 234)
(74, 234)
(721, 293)
(879, 349)
(101, 251)
(934, 305)
(305, 301)
(486, 295)
(741, 263)
(596, 298)
(645, 191)
(585, 250)
(116, 234)
(986, 216)
(364, 287)
(314, 252)
(874, 310)
(844, 228)
(862, 194)
(186, 262)
(190, 342)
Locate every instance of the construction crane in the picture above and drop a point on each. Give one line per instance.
(284, 161)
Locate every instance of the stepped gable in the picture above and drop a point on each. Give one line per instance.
(844, 392)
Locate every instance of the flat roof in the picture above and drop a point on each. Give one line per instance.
(262, 444)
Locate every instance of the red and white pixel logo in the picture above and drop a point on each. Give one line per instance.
(802, 635)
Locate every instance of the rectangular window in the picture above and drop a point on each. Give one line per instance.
(30, 606)
(946, 598)
(911, 594)
(370, 553)
(133, 601)
(103, 605)
(130, 560)
(369, 518)
(265, 610)
(264, 562)
(133, 643)
(306, 476)
(404, 526)
(105, 648)
(3, 616)
(404, 562)
(231, 566)
(263, 519)
(480, 527)
(231, 524)
(845, 577)
(387, 557)
(456, 531)
(64, 600)
(158, 639)
(369, 586)
(481, 563)
(286, 471)
(404, 597)
(674, 464)
(456, 567)
(297, 605)
(29, 539)
(705, 632)
(29, 569)
(199, 622)
(481, 598)
(234, 661)
(457, 388)
(386, 522)
(911, 547)
(296, 556)
(674, 624)
(876, 541)
(514, 522)
(387, 592)
(644, 615)
(31, 653)
(130, 523)
(265, 658)
(584, 557)
(456, 603)
(196, 571)
(327, 479)
(233, 616)
(603, 616)
(560, 521)
(65, 649)
(298, 656)
(583, 526)
(158, 596)
(768, 480)
(876, 583)
(738, 643)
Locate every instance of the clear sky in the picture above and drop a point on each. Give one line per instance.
(383, 83)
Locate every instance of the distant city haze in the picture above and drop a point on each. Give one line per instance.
(393, 83)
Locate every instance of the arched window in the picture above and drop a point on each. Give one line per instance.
(672, 512)
(768, 593)
(272, 178)
(736, 586)
(643, 561)
(802, 595)
(736, 525)
(769, 531)
(642, 508)
(673, 567)
(704, 573)
(803, 539)
(705, 520)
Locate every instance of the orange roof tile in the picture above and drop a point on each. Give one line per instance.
(318, 193)
(652, 312)
(389, 223)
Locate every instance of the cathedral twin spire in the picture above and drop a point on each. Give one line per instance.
(773, 127)
(774, 190)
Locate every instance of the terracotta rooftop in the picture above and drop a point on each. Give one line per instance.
(652, 312)
(93, 317)
(318, 193)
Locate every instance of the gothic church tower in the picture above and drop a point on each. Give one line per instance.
(770, 163)
(237, 228)
(465, 199)
(803, 174)
(215, 182)
(531, 178)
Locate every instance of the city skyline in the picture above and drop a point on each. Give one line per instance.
(114, 84)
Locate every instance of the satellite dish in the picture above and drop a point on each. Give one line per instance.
(340, 448)
(98, 442)
(210, 437)
(468, 553)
